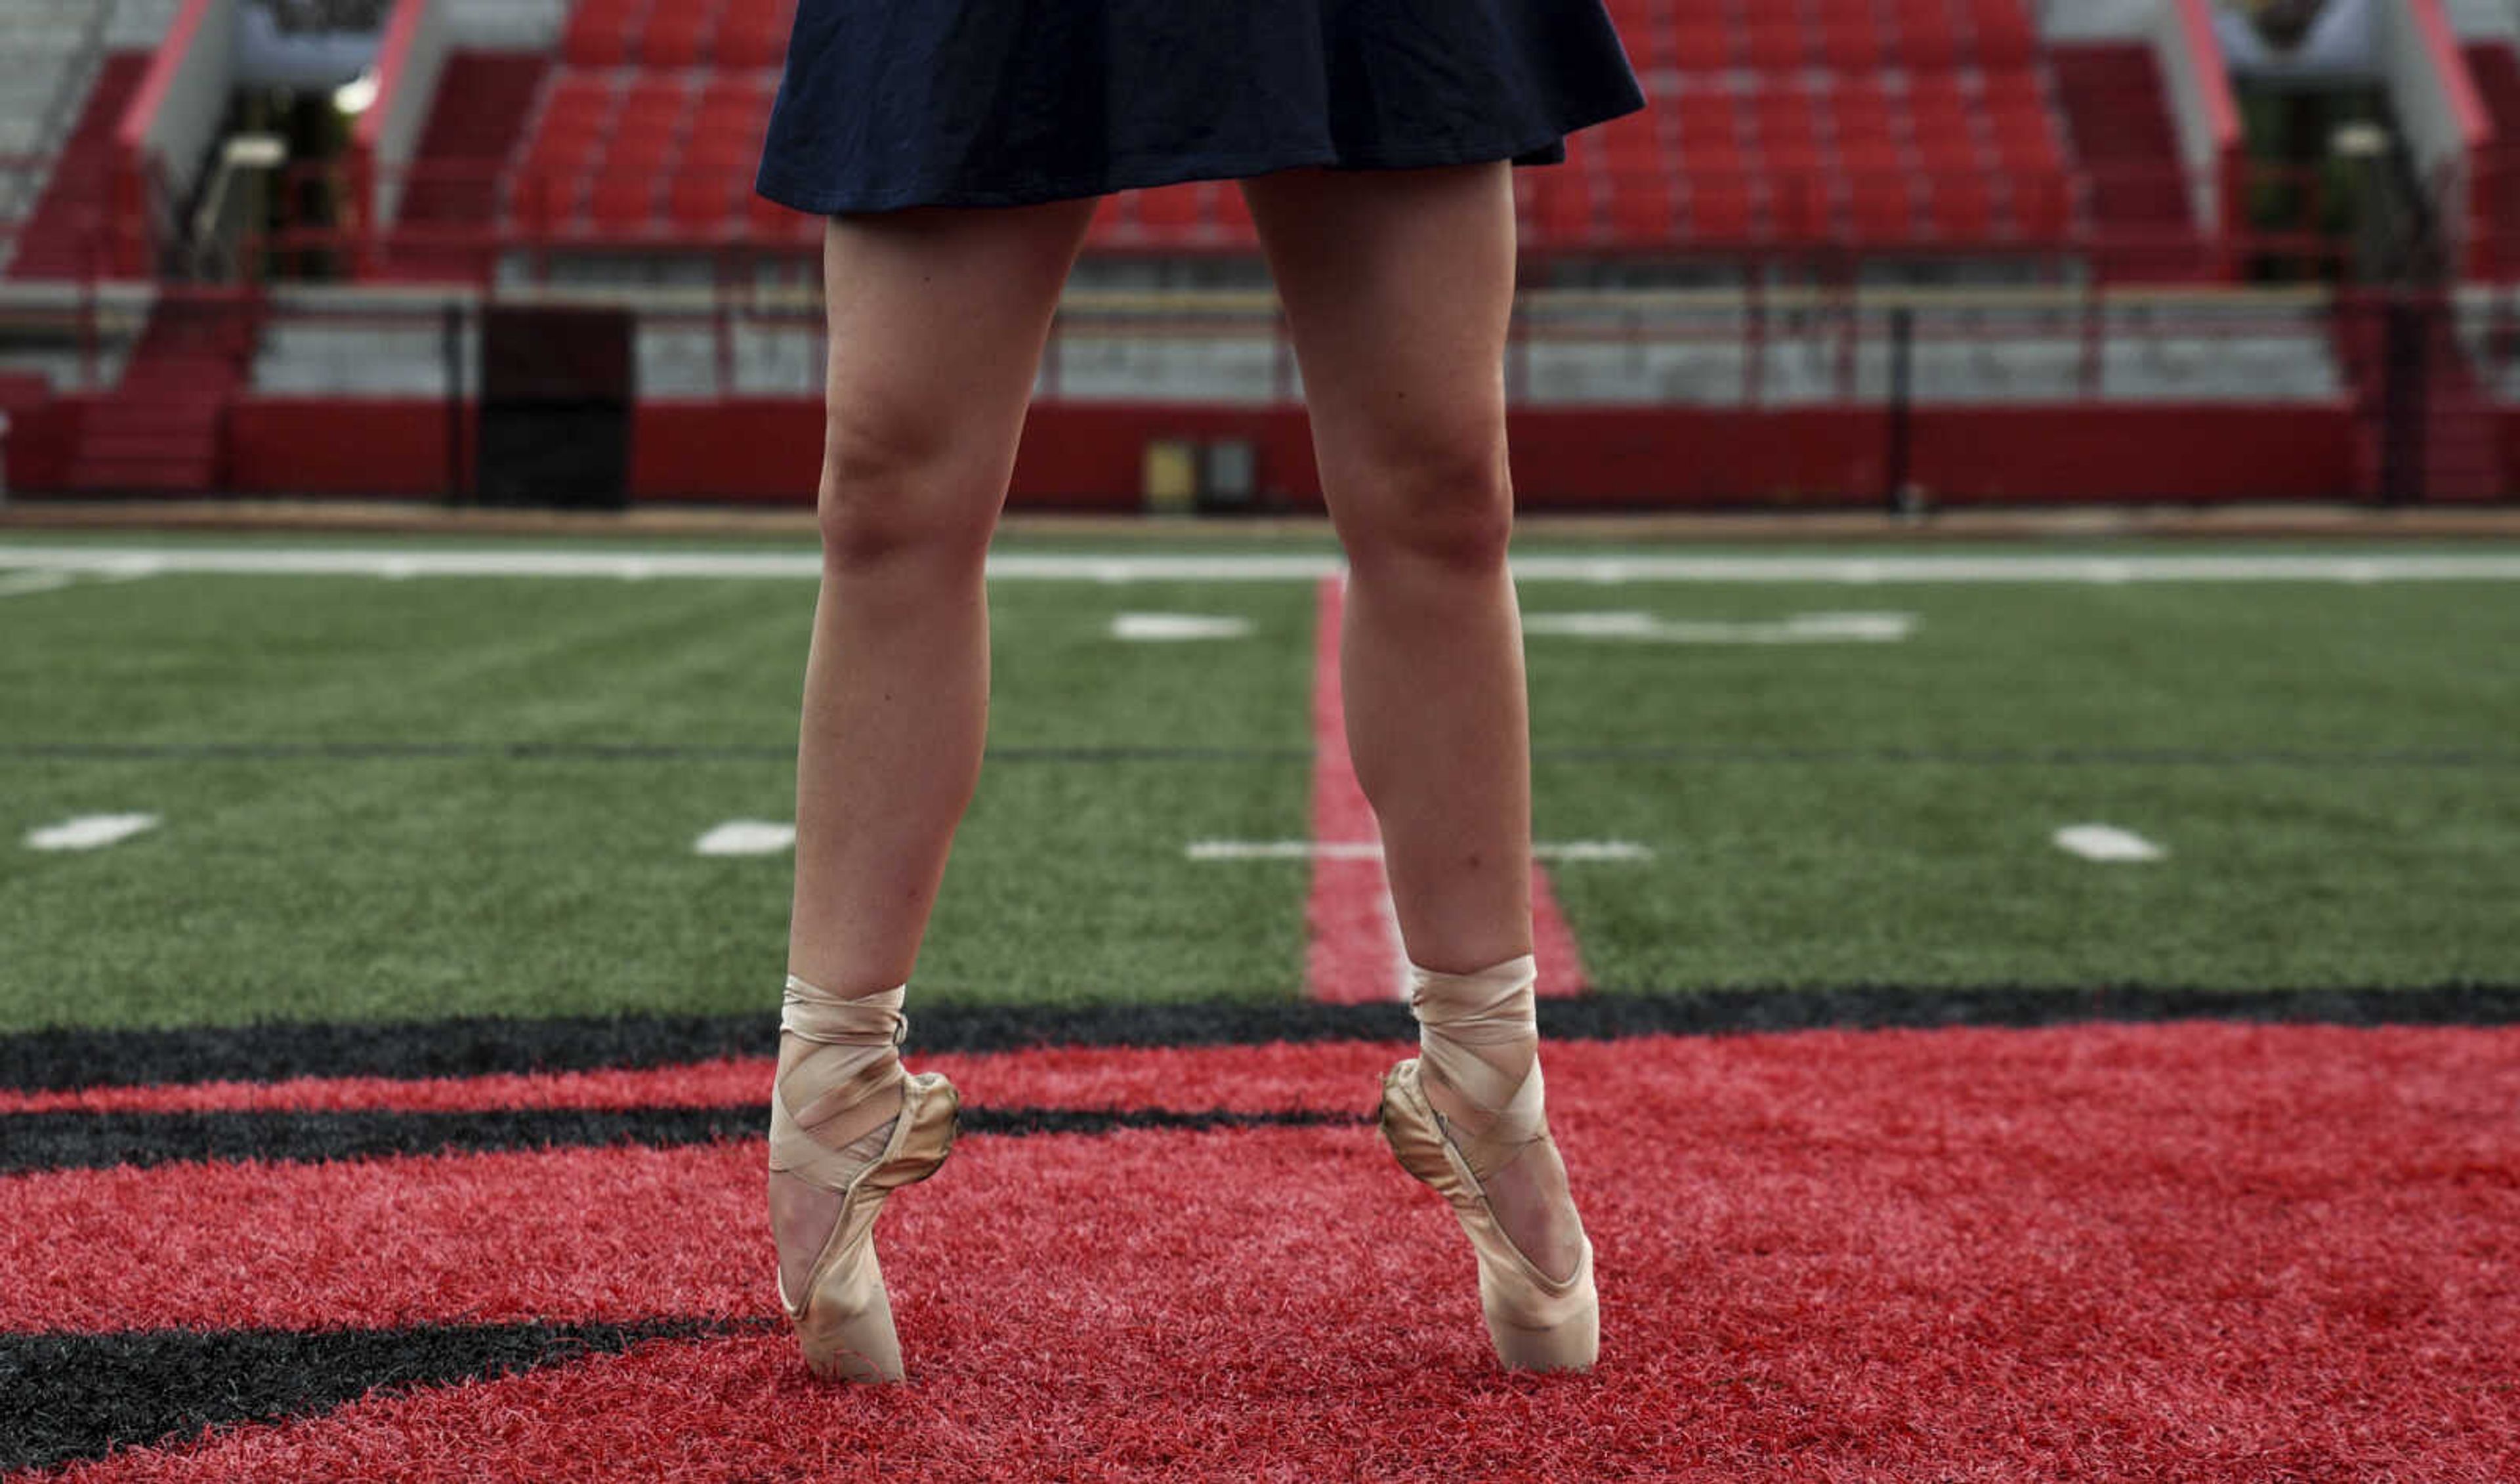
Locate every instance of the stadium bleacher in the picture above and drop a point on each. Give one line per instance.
(1803, 163)
(1933, 126)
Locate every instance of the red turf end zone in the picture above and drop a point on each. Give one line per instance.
(2194, 1251)
(1355, 956)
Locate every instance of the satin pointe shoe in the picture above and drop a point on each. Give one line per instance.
(1536, 1322)
(844, 1323)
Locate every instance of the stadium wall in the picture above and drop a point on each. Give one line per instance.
(1090, 457)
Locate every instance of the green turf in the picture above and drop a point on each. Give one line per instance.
(2334, 769)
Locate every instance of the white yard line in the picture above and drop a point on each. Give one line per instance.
(1121, 568)
(747, 838)
(1634, 627)
(90, 832)
(21, 584)
(1175, 628)
(2107, 842)
(1371, 850)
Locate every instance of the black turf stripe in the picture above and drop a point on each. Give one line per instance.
(80, 1396)
(484, 1045)
(82, 1140)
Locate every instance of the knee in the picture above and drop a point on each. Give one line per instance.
(892, 493)
(1444, 504)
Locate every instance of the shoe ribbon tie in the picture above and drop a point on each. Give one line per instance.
(1457, 1016)
(853, 1059)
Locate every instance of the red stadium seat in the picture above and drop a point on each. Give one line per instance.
(1788, 128)
(1640, 209)
(1562, 204)
(1699, 48)
(1883, 206)
(1632, 141)
(1708, 123)
(1798, 206)
(678, 35)
(766, 220)
(2005, 35)
(1854, 45)
(2042, 206)
(1963, 207)
(1862, 112)
(1719, 207)
(624, 200)
(600, 32)
(703, 201)
(546, 199)
(754, 34)
(1774, 45)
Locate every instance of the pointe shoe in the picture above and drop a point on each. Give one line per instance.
(838, 1055)
(1536, 1322)
(844, 1325)
(1478, 1036)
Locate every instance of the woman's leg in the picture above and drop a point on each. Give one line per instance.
(937, 321)
(1398, 287)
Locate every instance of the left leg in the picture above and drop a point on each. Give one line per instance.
(1398, 287)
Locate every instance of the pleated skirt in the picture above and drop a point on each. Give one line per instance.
(887, 104)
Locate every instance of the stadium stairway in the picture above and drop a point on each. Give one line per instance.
(2494, 67)
(159, 431)
(58, 234)
(2119, 113)
(2461, 424)
(483, 101)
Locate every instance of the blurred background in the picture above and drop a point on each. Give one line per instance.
(1857, 253)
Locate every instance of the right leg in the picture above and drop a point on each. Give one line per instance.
(938, 316)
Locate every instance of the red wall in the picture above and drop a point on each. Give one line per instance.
(43, 433)
(322, 446)
(1090, 456)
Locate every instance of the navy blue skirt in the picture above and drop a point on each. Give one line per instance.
(889, 104)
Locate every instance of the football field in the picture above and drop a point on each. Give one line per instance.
(2014, 1012)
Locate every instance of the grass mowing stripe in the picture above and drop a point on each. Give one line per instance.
(595, 752)
(1129, 752)
(64, 1059)
(59, 1141)
(80, 1396)
(1115, 567)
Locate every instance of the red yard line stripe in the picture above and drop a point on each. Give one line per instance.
(1355, 955)
(1276, 1078)
(2072, 1252)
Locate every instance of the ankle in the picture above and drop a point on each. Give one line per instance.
(1478, 1042)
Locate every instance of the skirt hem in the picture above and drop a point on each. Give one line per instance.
(1154, 171)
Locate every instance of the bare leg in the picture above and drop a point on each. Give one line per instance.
(937, 321)
(1398, 286)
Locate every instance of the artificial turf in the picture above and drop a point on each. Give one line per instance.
(390, 800)
(2186, 1252)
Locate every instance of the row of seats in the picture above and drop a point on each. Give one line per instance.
(678, 34)
(1783, 35)
(1840, 159)
(1960, 145)
(1702, 120)
(644, 150)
